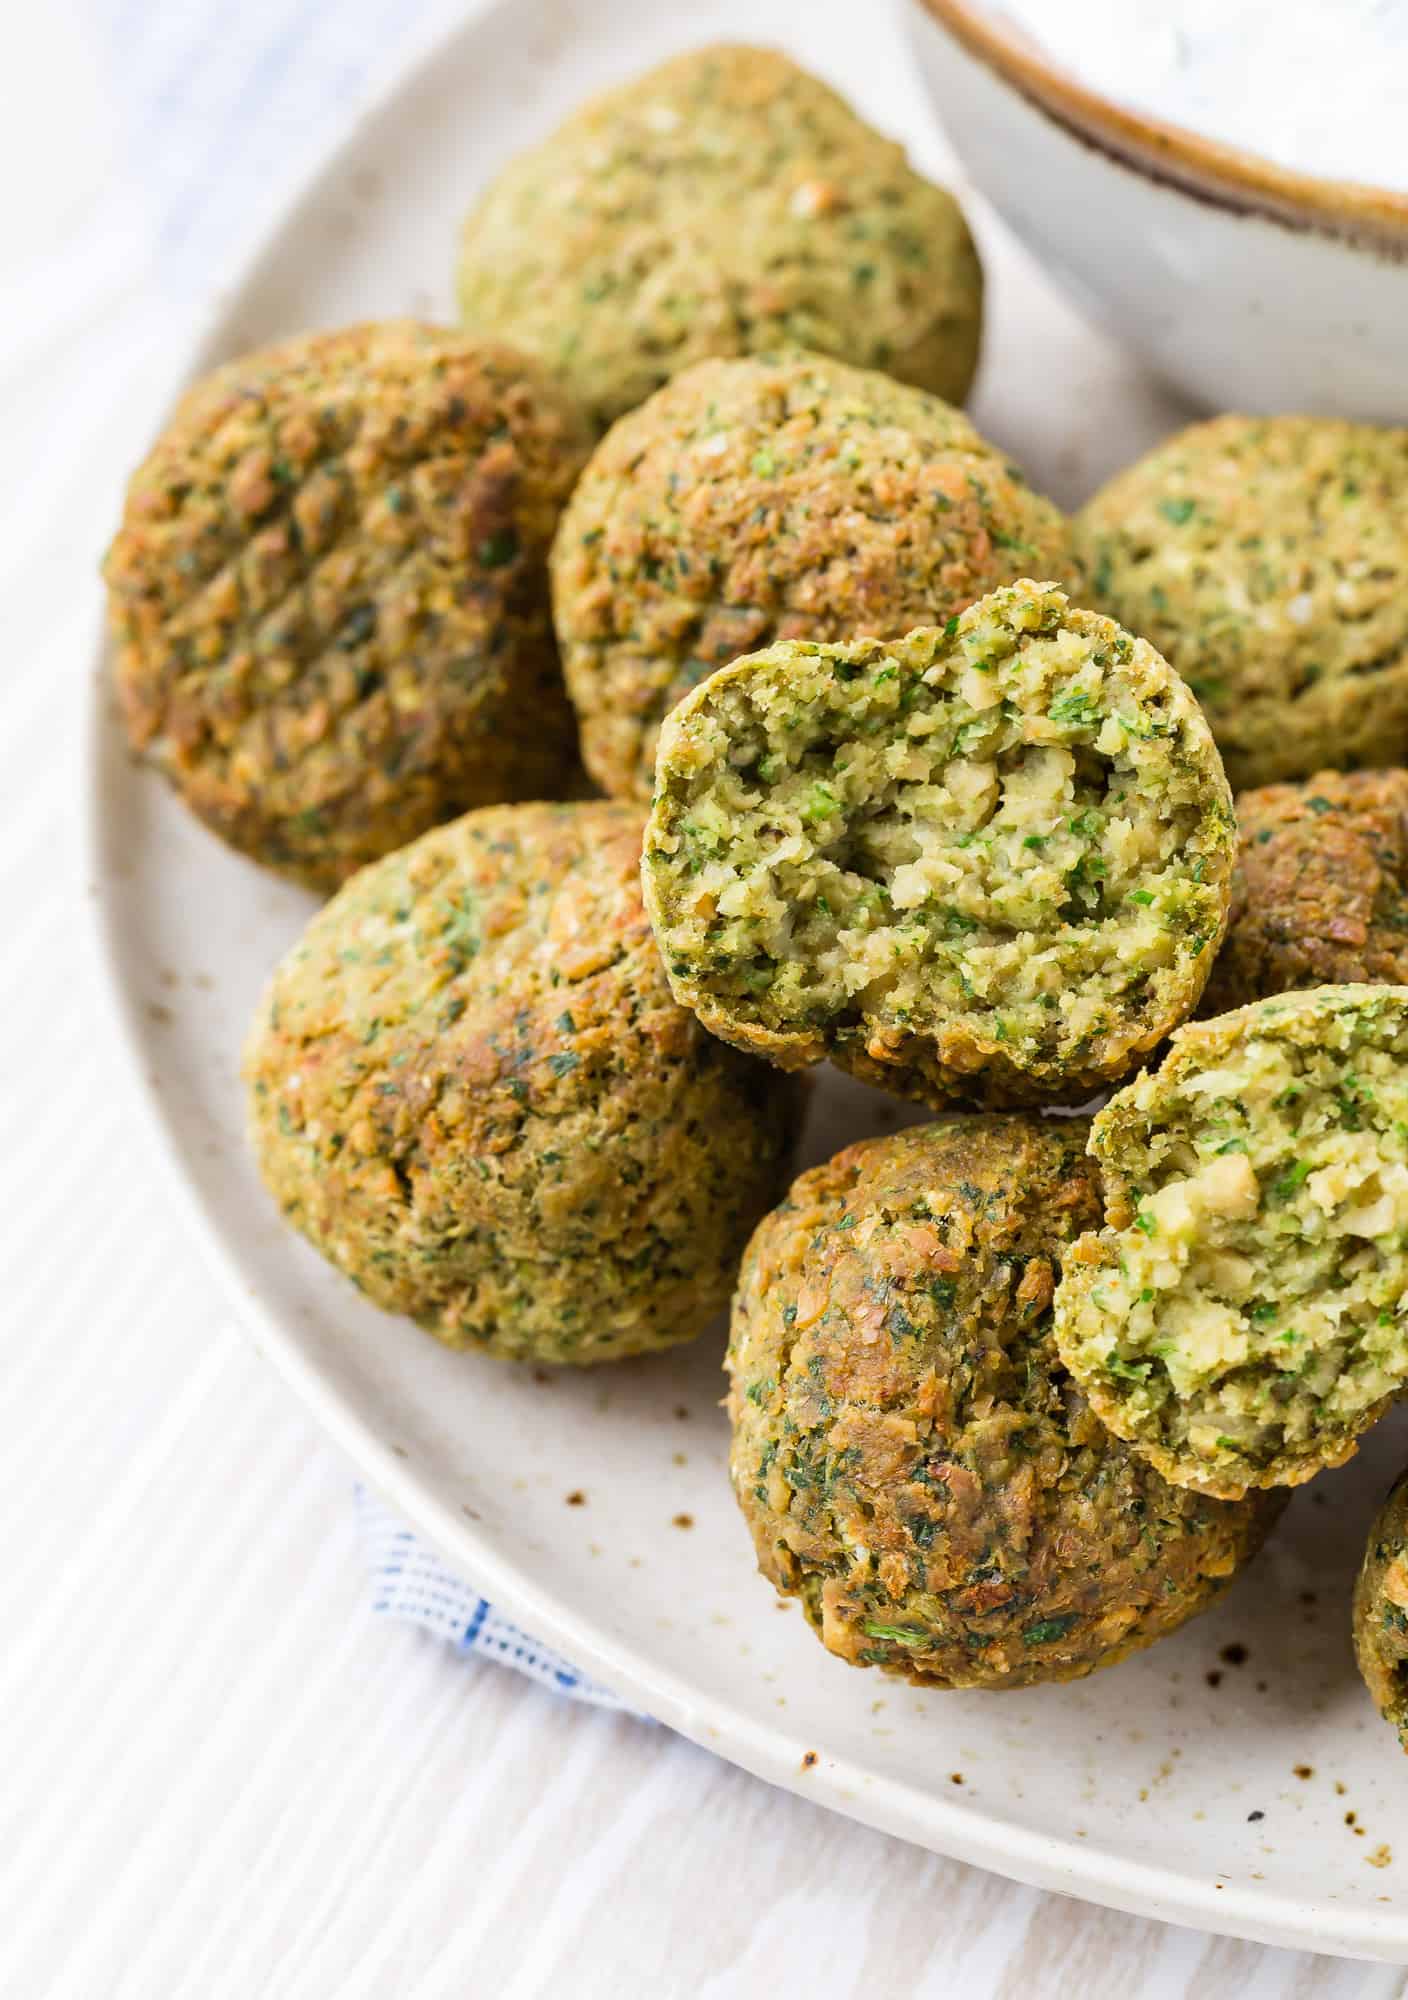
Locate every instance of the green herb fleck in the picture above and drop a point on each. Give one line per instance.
(497, 550)
(1046, 1629)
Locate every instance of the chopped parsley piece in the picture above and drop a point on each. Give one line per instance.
(1046, 1629)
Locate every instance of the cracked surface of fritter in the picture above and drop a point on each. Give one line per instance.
(780, 497)
(1380, 1614)
(723, 203)
(1267, 559)
(470, 1089)
(329, 595)
(1320, 889)
(911, 1457)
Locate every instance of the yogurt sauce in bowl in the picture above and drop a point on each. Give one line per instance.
(1320, 89)
(1223, 184)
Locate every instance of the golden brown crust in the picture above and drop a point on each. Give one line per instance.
(911, 1457)
(328, 592)
(1266, 559)
(470, 1088)
(1320, 890)
(780, 497)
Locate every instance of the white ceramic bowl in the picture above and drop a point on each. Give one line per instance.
(1244, 285)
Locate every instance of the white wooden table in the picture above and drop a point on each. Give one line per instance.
(220, 1775)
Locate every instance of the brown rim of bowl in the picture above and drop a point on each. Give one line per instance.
(1203, 167)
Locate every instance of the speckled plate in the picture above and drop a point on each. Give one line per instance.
(1235, 1777)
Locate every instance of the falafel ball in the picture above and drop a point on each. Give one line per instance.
(987, 863)
(779, 497)
(1239, 1319)
(1380, 1616)
(1320, 889)
(911, 1457)
(329, 593)
(1267, 559)
(723, 203)
(470, 1089)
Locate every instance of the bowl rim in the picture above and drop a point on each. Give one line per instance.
(1175, 155)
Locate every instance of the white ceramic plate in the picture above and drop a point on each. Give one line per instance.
(1149, 1787)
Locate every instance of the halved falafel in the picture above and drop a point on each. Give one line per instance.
(987, 863)
(470, 1089)
(779, 497)
(911, 1458)
(329, 593)
(722, 203)
(1242, 1317)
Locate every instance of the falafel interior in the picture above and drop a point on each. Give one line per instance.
(1240, 1319)
(1011, 835)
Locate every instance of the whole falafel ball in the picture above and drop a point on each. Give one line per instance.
(329, 595)
(1320, 889)
(470, 1089)
(911, 1457)
(720, 204)
(1380, 1614)
(985, 864)
(1267, 559)
(778, 497)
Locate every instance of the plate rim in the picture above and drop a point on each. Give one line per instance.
(1041, 1860)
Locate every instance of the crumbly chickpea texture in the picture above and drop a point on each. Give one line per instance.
(988, 862)
(1242, 1317)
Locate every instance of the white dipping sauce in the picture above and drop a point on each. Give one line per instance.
(1316, 85)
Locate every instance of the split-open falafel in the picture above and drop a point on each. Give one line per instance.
(1240, 1318)
(987, 863)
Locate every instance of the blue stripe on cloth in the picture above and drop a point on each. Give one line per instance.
(410, 1582)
